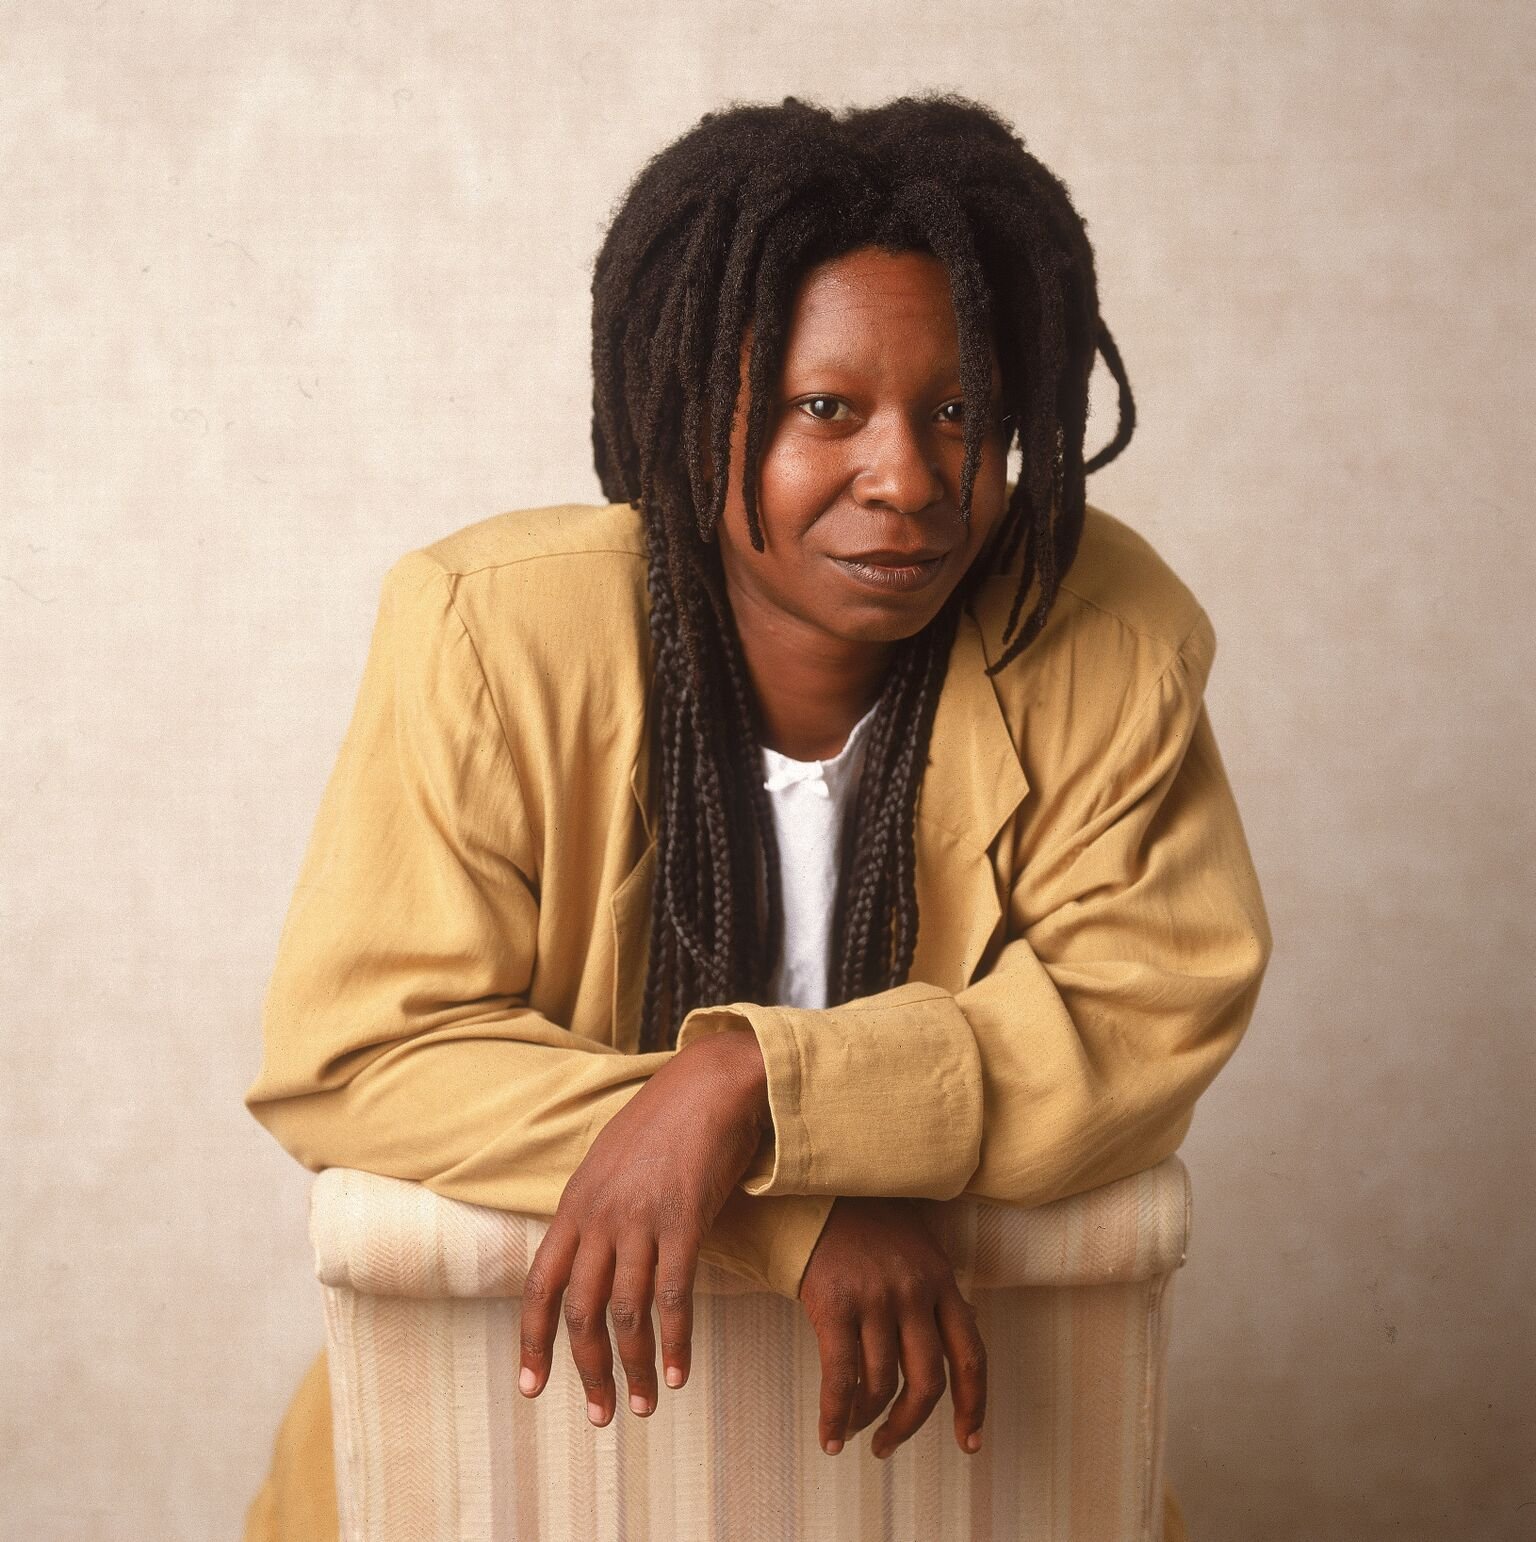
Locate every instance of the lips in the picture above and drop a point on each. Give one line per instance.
(887, 557)
(876, 575)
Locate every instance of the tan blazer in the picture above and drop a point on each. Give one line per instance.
(457, 990)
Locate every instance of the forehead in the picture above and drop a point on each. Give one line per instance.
(870, 283)
(874, 307)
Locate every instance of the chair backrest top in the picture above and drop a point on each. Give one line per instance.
(389, 1237)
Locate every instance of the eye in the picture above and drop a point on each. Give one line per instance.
(958, 417)
(817, 407)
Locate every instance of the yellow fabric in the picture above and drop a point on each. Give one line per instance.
(297, 1503)
(457, 988)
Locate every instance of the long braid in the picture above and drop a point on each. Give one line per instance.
(706, 251)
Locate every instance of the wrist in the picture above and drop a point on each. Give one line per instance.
(739, 1061)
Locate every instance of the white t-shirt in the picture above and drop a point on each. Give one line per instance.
(810, 800)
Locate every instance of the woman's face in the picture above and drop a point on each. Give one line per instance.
(859, 489)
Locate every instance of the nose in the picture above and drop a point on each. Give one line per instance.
(901, 468)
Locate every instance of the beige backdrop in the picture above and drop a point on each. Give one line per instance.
(289, 290)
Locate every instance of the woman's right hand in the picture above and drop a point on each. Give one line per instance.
(881, 1294)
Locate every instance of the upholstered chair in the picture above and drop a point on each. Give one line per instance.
(434, 1443)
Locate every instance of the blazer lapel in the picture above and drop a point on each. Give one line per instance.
(972, 785)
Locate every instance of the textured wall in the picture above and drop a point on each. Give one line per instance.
(288, 290)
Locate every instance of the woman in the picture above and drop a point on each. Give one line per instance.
(823, 824)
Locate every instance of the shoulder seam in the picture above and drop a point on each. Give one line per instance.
(1065, 587)
(451, 585)
(449, 581)
(534, 877)
(1134, 716)
(537, 556)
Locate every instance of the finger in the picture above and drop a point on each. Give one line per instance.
(586, 1322)
(967, 1366)
(922, 1364)
(677, 1265)
(879, 1368)
(837, 1339)
(633, 1280)
(542, 1288)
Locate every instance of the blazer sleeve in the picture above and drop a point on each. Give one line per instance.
(1137, 942)
(397, 1032)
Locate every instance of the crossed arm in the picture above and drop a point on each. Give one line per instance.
(879, 1292)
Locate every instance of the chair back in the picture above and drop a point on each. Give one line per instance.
(434, 1441)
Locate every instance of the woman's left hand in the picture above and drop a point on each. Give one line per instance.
(632, 1216)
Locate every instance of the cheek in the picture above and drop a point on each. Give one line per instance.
(793, 496)
(800, 475)
(989, 500)
(991, 487)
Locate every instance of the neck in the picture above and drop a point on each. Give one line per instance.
(811, 688)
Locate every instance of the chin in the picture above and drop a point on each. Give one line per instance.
(885, 624)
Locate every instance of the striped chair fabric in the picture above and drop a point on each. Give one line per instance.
(434, 1443)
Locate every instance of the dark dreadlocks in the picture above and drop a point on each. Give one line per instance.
(712, 239)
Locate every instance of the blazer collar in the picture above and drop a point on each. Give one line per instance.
(974, 780)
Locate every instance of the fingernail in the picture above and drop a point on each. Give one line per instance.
(973, 1441)
(527, 1381)
(638, 1404)
(834, 1446)
(674, 1375)
(594, 1411)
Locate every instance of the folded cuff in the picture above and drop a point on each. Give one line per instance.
(769, 1241)
(882, 1095)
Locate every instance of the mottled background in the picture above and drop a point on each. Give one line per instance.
(290, 289)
